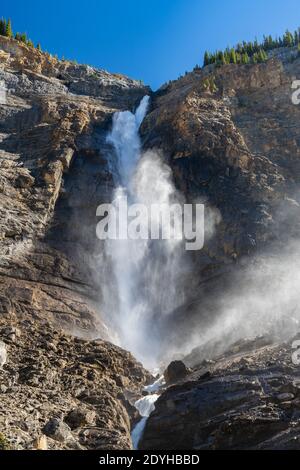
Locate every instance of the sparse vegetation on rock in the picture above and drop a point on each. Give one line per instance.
(6, 30)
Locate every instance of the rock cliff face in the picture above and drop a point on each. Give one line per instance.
(236, 145)
(231, 136)
(53, 174)
(52, 165)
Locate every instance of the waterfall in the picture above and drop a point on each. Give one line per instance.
(145, 273)
(124, 137)
(145, 406)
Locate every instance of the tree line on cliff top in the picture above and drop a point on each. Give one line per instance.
(6, 30)
(252, 52)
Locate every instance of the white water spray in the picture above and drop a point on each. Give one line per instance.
(146, 273)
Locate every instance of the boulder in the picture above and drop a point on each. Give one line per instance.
(24, 181)
(175, 371)
(80, 417)
(58, 430)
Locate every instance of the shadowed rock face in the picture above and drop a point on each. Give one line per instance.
(249, 400)
(236, 148)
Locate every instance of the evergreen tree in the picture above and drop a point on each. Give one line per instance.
(288, 39)
(227, 55)
(2, 27)
(255, 52)
(8, 31)
(238, 57)
(39, 48)
(21, 37)
(232, 56)
(245, 58)
(256, 46)
(261, 56)
(239, 48)
(221, 58)
(206, 59)
(250, 48)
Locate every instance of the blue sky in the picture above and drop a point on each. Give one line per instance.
(151, 40)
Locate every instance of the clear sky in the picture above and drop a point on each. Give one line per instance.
(151, 40)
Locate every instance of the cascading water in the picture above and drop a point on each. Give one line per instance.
(145, 406)
(145, 272)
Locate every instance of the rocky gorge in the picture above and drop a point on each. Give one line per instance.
(230, 136)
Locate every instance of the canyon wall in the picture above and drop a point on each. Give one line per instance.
(231, 137)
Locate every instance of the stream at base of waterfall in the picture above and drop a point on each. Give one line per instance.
(145, 406)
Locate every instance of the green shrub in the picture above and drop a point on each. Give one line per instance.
(210, 85)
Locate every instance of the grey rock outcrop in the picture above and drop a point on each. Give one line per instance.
(58, 430)
(250, 400)
(175, 371)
